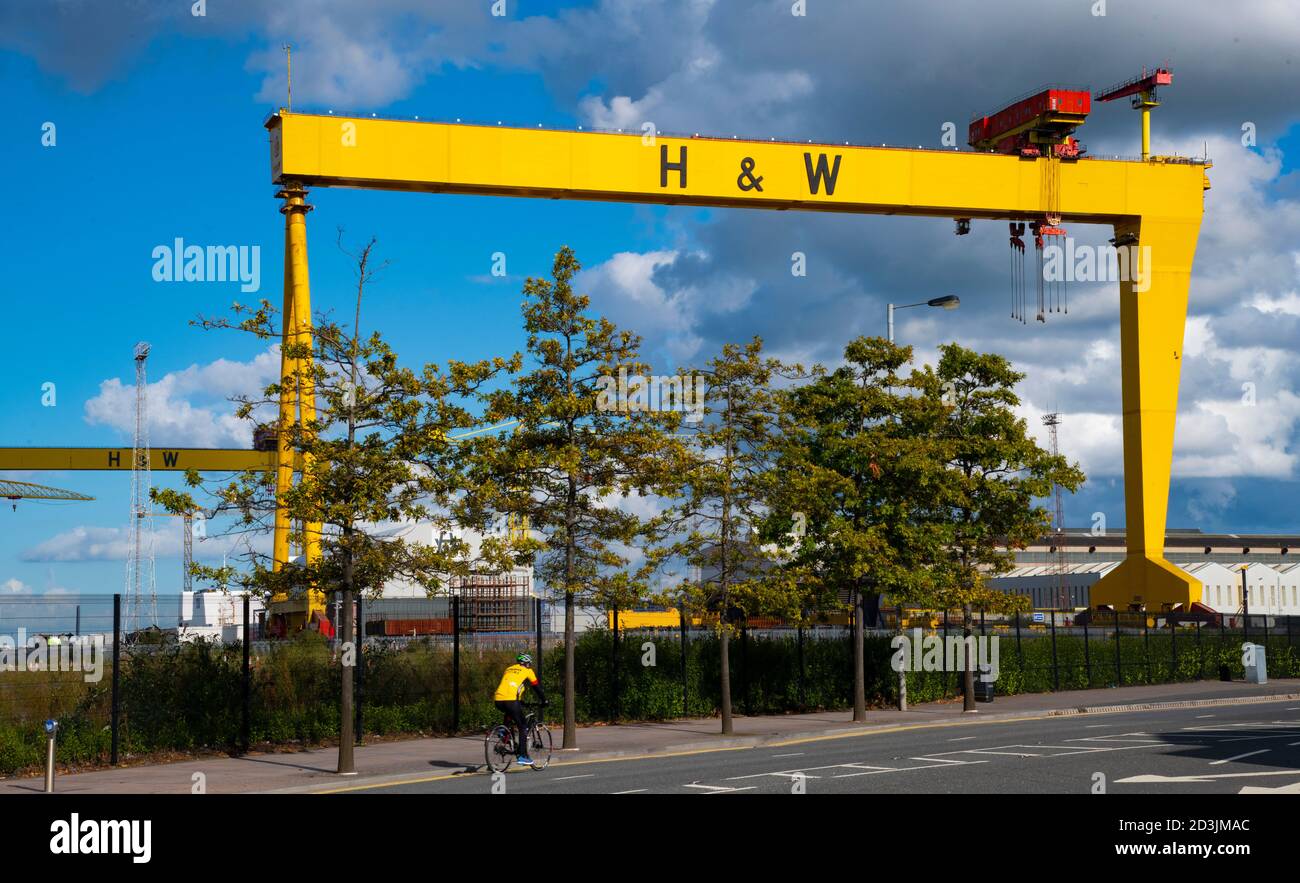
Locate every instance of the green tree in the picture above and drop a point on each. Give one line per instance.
(572, 454)
(724, 477)
(993, 471)
(376, 452)
(856, 475)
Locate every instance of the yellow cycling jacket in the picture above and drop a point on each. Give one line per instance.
(513, 682)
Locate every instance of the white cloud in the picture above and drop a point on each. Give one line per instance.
(89, 543)
(14, 586)
(190, 408)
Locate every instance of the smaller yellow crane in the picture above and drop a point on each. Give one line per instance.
(1141, 90)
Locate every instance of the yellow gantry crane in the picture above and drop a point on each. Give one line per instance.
(1155, 205)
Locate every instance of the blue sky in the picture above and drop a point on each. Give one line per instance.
(159, 136)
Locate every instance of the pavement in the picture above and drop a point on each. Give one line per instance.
(674, 750)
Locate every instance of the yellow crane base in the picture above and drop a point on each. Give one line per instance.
(1147, 584)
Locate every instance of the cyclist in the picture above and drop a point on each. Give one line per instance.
(516, 679)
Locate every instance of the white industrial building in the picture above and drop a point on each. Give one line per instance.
(1217, 561)
(215, 615)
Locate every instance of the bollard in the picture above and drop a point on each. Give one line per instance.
(51, 731)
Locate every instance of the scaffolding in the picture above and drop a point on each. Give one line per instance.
(494, 602)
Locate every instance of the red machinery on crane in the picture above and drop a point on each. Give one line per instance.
(1034, 124)
(1040, 124)
(1142, 89)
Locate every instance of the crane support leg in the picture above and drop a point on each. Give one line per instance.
(293, 197)
(1153, 313)
(297, 406)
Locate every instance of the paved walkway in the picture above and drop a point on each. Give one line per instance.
(314, 769)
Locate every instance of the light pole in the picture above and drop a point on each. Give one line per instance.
(947, 302)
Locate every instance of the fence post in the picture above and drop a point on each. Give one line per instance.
(455, 663)
(1222, 637)
(803, 703)
(359, 692)
(1020, 650)
(1200, 654)
(1087, 653)
(1119, 659)
(117, 672)
(1173, 649)
(537, 616)
(245, 682)
(983, 631)
(1146, 642)
(744, 664)
(943, 658)
(1289, 643)
(1056, 666)
(686, 705)
(613, 682)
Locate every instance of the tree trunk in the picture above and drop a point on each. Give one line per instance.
(859, 662)
(347, 737)
(570, 705)
(968, 675)
(725, 654)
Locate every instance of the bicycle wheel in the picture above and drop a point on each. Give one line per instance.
(540, 744)
(498, 749)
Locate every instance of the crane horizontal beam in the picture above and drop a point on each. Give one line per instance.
(119, 459)
(332, 151)
(24, 490)
(1144, 82)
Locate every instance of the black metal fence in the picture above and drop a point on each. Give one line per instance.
(119, 692)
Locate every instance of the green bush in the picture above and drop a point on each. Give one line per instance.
(189, 698)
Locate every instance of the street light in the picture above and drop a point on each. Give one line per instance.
(947, 302)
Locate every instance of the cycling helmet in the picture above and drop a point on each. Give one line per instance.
(524, 659)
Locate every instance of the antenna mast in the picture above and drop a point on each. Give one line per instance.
(288, 71)
(140, 561)
(1051, 421)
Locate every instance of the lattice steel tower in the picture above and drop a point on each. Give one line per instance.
(140, 557)
(1051, 421)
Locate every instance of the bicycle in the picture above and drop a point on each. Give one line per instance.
(499, 744)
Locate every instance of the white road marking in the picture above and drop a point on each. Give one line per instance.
(1207, 777)
(718, 789)
(796, 754)
(1238, 757)
(583, 776)
(908, 769)
(942, 760)
(1199, 716)
(964, 739)
(633, 791)
(1293, 788)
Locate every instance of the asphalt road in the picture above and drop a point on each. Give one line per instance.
(1221, 750)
